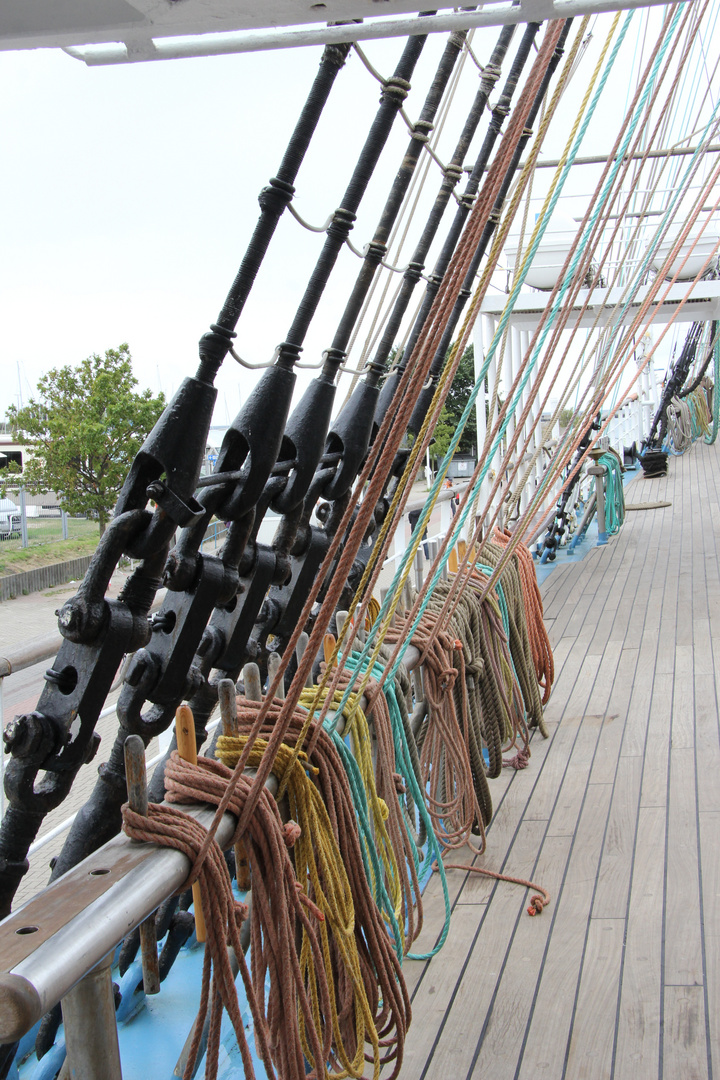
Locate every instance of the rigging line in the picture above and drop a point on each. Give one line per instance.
(468, 284)
(692, 28)
(387, 449)
(620, 216)
(474, 58)
(523, 524)
(592, 407)
(399, 489)
(280, 190)
(518, 259)
(395, 199)
(442, 198)
(657, 238)
(379, 461)
(413, 463)
(384, 459)
(421, 178)
(590, 245)
(410, 204)
(383, 262)
(414, 193)
(394, 92)
(419, 446)
(500, 240)
(573, 142)
(306, 224)
(597, 402)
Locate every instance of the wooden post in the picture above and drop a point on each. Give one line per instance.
(273, 664)
(228, 715)
(137, 798)
(187, 749)
(300, 652)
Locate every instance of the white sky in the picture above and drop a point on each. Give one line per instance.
(130, 193)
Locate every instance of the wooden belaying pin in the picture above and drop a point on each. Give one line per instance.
(329, 644)
(228, 715)
(138, 801)
(273, 664)
(187, 749)
(300, 652)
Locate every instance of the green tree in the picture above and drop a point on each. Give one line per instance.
(84, 428)
(444, 431)
(455, 402)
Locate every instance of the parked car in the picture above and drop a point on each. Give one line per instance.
(10, 519)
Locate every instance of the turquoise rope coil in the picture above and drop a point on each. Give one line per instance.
(403, 764)
(614, 493)
(710, 439)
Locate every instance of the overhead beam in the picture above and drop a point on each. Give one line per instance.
(601, 159)
(136, 48)
(702, 306)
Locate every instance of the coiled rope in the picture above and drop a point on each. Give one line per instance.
(369, 1005)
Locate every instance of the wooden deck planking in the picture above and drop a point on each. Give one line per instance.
(621, 976)
(709, 825)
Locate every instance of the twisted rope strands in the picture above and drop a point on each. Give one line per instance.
(563, 283)
(537, 903)
(368, 999)
(276, 907)
(389, 786)
(614, 373)
(387, 446)
(411, 469)
(433, 577)
(590, 246)
(539, 641)
(546, 478)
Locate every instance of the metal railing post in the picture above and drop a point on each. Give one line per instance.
(419, 565)
(23, 519)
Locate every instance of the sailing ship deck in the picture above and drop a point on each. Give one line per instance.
(618, 815)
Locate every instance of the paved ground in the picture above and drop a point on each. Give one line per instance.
(29, 617)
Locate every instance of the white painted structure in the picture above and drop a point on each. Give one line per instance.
(127, 31)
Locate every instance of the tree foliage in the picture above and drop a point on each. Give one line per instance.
(84, 428)
(457, 398)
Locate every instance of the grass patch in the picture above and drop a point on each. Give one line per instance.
(16, 560)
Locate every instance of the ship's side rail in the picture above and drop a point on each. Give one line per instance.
(60, 945)
(60, 936)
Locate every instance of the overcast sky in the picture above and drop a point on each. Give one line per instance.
(129, 195)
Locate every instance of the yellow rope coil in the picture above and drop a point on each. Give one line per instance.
(321, 874)
(356, 726)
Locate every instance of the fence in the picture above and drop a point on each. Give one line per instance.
(33, 522)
